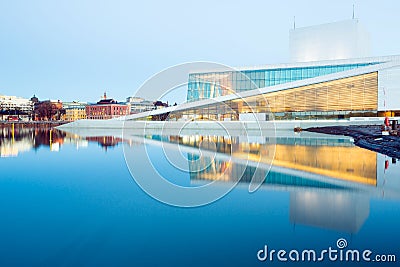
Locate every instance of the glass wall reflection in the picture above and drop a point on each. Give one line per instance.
(330, 180)
(332, 158)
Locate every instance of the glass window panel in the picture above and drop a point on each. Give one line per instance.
(267, 75)
(298, 74)
(253, 75)
(248, 85)
(272, 75)
(277, 74)
(288, 74)
(303, 73)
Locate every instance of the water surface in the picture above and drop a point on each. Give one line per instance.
(69, 200)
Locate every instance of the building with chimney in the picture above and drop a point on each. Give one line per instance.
(107, 108)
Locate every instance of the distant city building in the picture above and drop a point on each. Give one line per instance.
(74, 111)
(139, 104)
(13, 106)
(48, 110)
(160, 105)
(330, 41)
(107, 109)
(133, 99)
(34, 99)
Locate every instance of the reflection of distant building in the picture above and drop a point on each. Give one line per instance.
(106, 109)
(12, 149)
(21, 139)
(338, 210)
(74, 110)
(105, 141)
(76, 140)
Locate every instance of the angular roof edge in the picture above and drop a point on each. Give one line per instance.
(380, 59)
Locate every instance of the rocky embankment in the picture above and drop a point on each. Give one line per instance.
(369, 137)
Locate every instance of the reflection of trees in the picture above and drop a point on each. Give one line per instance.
(41, 137)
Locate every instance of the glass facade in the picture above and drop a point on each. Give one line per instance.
(358, 93)
(355, 96)
(214, 84)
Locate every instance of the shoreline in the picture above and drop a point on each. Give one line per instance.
(32, 124)
(365, 136)
(260, 125)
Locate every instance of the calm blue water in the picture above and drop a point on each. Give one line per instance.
(67, 200)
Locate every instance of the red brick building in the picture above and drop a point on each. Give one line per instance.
(106, 109)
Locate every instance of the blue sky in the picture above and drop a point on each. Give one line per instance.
(76, 50)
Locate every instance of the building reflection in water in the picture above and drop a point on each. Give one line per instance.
(105, 142)
(341, 210)
(332, 203)
(338, 159)
(14, 141)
